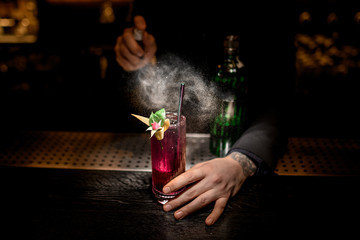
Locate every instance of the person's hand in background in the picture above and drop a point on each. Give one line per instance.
(129, 53)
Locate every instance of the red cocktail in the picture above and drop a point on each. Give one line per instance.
(168, 156)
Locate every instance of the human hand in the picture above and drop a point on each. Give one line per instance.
(213, 181)
(129, 54)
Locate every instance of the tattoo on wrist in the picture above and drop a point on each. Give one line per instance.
(247, 165)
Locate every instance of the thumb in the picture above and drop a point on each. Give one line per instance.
(140, 23)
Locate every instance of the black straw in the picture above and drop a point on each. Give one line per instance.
(181, 97)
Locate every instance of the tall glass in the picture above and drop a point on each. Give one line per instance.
(168, 157)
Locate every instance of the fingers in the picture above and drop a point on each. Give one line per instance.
(131, 44)
(184, 179)
(127, 60)
(188, 195)
(129, 54)
(219, 208)
(202, 193)
(198, 203)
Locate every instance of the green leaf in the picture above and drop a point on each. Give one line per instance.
(158, 117)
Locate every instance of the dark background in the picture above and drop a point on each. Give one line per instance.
(57, 83)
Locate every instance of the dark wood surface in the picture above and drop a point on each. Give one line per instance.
(89, 204)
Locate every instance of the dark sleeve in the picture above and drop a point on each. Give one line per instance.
(263, 142)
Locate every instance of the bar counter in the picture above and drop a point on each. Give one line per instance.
(108, 195)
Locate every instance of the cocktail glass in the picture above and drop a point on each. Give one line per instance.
(168, 157)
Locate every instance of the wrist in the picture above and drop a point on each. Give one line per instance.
(248, 166)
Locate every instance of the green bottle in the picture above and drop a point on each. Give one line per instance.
(230, 79)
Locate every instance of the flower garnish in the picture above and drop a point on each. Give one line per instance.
(154, 128)
(155, 125)
(156, 122)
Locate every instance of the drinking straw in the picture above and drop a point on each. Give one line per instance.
(181, 97)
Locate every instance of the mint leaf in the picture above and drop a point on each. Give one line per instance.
(158, 117)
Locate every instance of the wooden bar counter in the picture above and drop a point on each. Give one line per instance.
(103, 194)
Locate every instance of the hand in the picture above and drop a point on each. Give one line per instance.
(129, 54)
(213, 181)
